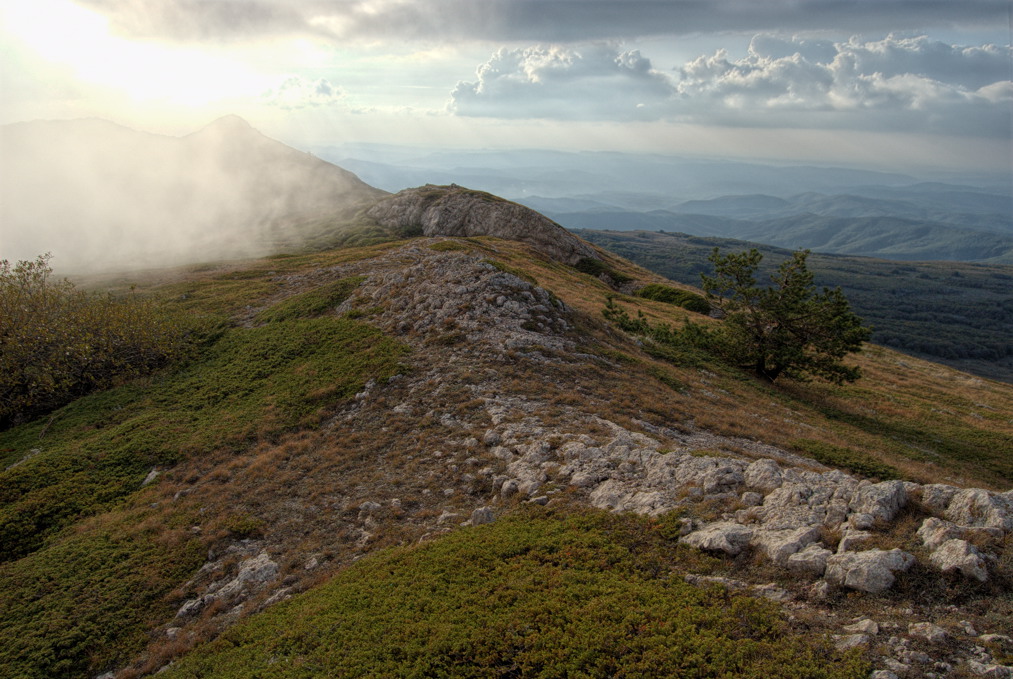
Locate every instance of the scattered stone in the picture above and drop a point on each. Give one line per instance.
(152, 475)
(960, 556)
(849, 641)
(871, 571)
(937, 496)
(880, 500)
(883, 674)
(979, 669)
(509, 488)
(482, 515)
(812, 560)
(782, 544)
(764, 475)
(540, 500)
(981, 508)
(447, 516)
(934, 532)
(863, 626)
(851, 539)
(751, 499)
(723, 536)
(927, 631)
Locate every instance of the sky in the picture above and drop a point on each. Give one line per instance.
(897, 84)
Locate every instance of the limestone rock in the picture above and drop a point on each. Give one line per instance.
(811, 560)
(880, 500)
(990, 671)
(723, 536)
(457, 211)
(871, 571)
(764, 475)
(781, 544)
(981, 508)
(927, 631)
(937, 496)
(849, 641)
(960, 556)
(851, 539)
(934, 532)
(482, 515)
(863, 626)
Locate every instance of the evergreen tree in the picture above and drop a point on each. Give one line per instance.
(787, 328)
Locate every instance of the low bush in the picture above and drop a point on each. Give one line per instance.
(846, 458)
(57, 343)
(598, 268)
(313, 303)
(669, 295)
(538, 594)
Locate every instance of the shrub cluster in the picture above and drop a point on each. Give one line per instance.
(57, 343)
(598, 268)
(669, 295)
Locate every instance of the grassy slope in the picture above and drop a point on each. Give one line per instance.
(248, 385)
(958, 313)
(98, 564)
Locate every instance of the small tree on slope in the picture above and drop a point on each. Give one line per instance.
(788, 328)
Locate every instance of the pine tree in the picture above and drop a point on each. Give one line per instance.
(786, 329)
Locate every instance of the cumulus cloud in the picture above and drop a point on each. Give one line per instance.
(529, 20)
(591, 83)
(297, 92)
(894, 83)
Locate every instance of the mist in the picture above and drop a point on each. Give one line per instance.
(102, 197)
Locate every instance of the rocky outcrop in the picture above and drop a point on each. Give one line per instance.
(456, 211)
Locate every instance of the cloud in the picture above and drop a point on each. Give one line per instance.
(890, 84)
(894, 83)
(297, 92)
(595, 82)
(550, 21)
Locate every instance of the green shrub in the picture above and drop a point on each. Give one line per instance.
(533, 595)
(681, 298)
(597, 268)
(57, 343)
(846, 458)
(316, 302)
(252, 383)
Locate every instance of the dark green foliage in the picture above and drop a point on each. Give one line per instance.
(57, 343)
(690, 345)
(846, 458)
(598, 268)
(919, 308)
(84, 606)
(316, 302)
(681, 298)
(252, 383)
(787, 328)
(533, 595)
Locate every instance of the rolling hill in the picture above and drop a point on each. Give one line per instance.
(422, 449)
(434, 456)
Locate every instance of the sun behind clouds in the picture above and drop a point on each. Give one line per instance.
(65, 34)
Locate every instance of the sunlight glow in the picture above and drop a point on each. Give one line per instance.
(66, 34)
